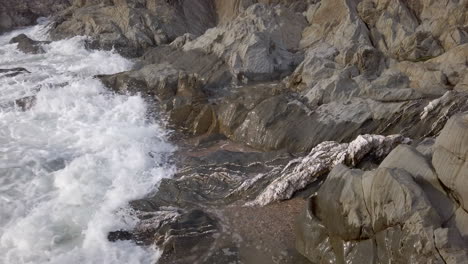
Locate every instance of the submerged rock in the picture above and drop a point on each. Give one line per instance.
(27, 45)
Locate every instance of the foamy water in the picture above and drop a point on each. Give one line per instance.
(70, 164)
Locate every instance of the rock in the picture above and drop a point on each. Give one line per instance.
(450, 155)
(401, 210)
(301, 172)
(260, 44)
(380, 216)
(450, 245)
(219, 178)
(27, 45)
(188, 239)
(20, 13)
(342, 29)
(26, 103)
(409, 159)
(133, 26)
(13, 72)
(215, 72)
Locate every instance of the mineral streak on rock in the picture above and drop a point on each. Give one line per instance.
(408, 208)
(303, 171)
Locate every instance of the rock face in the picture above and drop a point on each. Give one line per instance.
(260, 44)
(133, 26)
(337, 88)
(450, 157)
(20, 13)
(402, 210)
(278, 79)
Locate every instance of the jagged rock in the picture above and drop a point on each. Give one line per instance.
(303, 171)
(450, 245)
(26, 103)
(260, 44)
(27, 45)
(20, 13)
(219, 178)
(133, 26)
(412, 161)
(377, 216)
(215, 72)
(193, 232)
(178, 93)
(402, 210)
(450, 157)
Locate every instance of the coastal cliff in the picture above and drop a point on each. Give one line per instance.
(309, 131)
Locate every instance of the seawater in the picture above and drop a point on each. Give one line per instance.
(70, 164)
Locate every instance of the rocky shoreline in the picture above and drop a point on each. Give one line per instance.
(319, 131)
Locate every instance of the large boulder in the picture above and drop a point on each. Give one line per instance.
(406, 209)
(27, 45)
(451, 155)
(374, 217)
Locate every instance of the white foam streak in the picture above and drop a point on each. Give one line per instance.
(70, 164)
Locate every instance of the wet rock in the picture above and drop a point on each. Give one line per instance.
(26, 103)
(20, 13)
(181, 95)
(27, 45)
(301, 172)
(188, 239)
(220, 178)
(13, 72)
(133, 26)
(215, 72)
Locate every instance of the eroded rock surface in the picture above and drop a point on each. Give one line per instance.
(404, 209)
(20, 13)
(288, 77)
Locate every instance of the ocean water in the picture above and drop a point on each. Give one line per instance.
(70, 164)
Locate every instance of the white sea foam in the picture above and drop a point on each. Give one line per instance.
(70, 164)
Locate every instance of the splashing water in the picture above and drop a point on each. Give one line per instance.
(70, 164)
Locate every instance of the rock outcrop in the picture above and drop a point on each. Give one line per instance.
(406, 209)
(27, 45)
(20, 13)
(132, 26)
(278, 79)
(261, 43)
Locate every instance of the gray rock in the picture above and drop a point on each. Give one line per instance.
(260, 44)
(301, 172)
(401, 211)
(409, 159)
(450, 157)
(379, 216)
(13, 72)
(133, 26)
(20, 13)
(27, 45)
